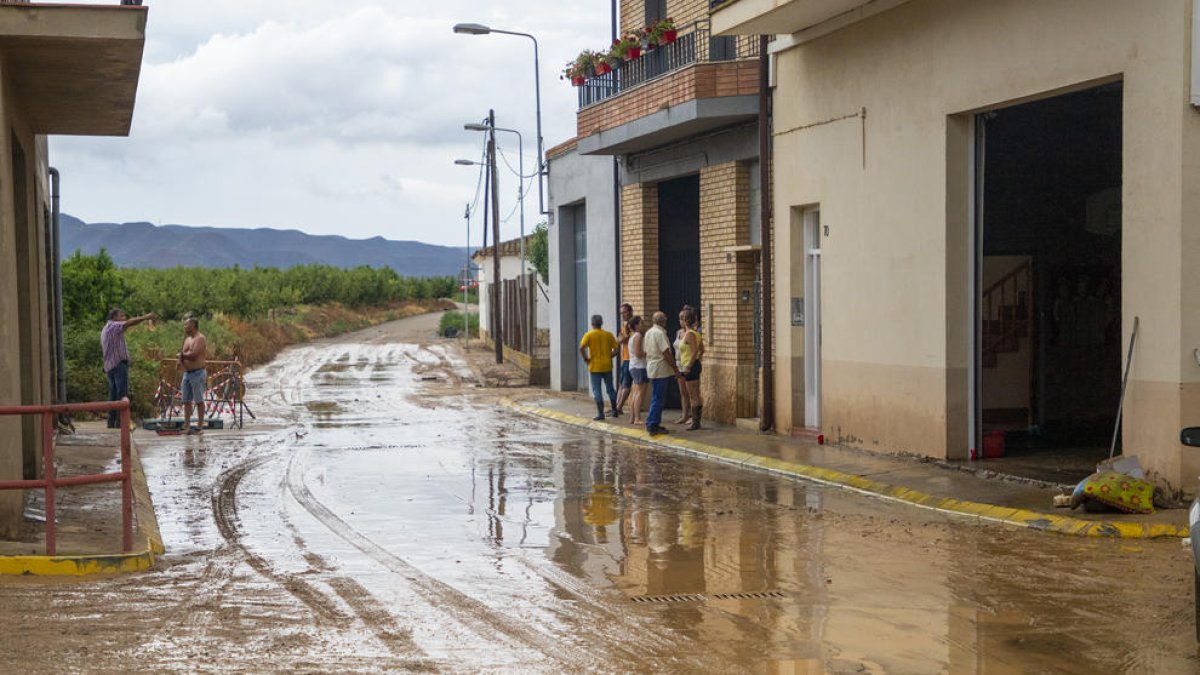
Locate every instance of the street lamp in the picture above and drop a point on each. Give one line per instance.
(480, 29)
(467, 269)
(520, 183)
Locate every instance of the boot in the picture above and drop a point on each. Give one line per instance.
(599, 411)
(695, 418)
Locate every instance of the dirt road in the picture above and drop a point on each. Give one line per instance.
(385, 514)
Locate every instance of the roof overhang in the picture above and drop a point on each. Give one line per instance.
(784, 17)
(671, 124)
(74, 69)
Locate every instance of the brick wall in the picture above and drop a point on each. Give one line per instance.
(639, 247)
(633, 12)
(700, 80)
(728, 383)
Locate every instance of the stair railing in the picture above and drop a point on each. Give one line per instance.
(1007, 309)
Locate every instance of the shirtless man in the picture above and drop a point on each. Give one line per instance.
(192, 360)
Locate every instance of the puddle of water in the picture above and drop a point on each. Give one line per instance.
(500, 522)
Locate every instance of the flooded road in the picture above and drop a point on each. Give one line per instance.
(385, 514)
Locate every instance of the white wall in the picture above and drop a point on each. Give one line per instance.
(576, 180)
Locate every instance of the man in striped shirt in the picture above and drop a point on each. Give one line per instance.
(116, 357)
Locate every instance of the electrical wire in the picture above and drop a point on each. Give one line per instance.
(500, 151)
(479, 181)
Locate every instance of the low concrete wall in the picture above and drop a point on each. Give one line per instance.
(538, 369)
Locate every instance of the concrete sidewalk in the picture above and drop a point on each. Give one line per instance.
(89, 516)
(925, 484)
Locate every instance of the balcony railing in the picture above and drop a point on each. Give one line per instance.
(695, 44)
(133, 3)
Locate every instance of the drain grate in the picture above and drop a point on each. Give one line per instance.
(700, 597)
(680, 597)
(759, 595)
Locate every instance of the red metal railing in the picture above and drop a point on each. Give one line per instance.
(51, 482)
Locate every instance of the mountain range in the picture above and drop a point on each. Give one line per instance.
(143, 244)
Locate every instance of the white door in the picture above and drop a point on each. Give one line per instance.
(812, 318)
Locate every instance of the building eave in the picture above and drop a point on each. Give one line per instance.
(785, 17)
(74, 69)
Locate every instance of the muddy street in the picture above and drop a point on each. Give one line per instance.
(384, 513)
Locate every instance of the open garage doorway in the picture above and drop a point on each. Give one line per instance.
(1048, 280)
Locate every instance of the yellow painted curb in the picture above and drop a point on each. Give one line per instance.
(1043, 522)
(106, 563)
(76, 566)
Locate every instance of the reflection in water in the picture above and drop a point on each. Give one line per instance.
(866, 588)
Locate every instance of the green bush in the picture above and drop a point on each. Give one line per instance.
(451, 324)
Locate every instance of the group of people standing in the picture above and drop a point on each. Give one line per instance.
(191, 359)
(648, 360)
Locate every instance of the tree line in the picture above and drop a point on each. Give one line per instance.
(93, 284)
(237, 308)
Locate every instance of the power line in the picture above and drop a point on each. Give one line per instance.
(479, 181)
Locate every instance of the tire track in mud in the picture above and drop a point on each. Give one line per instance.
(224, 506)
(586, 607)
(365, 606)
(440, 596)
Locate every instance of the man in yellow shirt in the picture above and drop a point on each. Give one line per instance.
(598, 347)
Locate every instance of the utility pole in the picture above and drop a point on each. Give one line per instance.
(467, 282)
(495, 180)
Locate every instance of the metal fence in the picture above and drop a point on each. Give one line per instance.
(225, 393)
(50, 482)
(695, 44)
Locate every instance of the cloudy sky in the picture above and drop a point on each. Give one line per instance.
(329, 116)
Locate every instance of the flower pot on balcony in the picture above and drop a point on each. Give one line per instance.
(578, 80)
(633, 53)
(668, 36)
(603, 68)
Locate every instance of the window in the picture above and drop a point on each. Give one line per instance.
(655, 10)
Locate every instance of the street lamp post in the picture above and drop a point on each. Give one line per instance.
(521, 182)
(528, 323)
(467, 282)
(480, 29)
(494, 300)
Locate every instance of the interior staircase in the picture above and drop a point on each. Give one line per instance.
(1007, 325)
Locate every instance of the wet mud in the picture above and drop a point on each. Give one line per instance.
(384, 514)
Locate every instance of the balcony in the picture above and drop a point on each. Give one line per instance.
(697, 83)
(74, 69)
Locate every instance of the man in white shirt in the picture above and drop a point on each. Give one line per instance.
(660, 368)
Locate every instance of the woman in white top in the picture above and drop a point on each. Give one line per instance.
(637, 368)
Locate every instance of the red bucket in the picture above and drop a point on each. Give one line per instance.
(993, 445)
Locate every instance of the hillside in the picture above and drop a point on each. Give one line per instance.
(146, 245)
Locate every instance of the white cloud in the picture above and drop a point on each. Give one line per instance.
(330, 117)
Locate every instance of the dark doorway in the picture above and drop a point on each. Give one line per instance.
(1049, 275)
(678, 253)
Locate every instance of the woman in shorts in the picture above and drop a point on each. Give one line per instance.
(637, 368)
(690, 350)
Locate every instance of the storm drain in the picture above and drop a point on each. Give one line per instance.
(700, 597)
(760, 595)
(681, 597)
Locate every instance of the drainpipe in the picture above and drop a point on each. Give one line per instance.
(56, 252)
(616, 189)
(767, 417)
